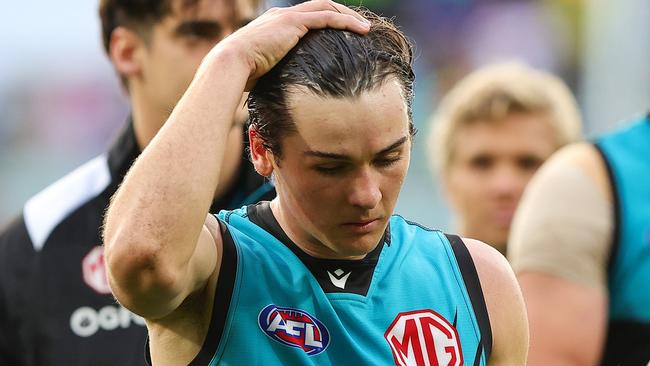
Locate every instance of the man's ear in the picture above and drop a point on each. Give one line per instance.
(125, 49)
(262, 158)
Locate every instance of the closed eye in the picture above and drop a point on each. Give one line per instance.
(386, 162)
(330, 169)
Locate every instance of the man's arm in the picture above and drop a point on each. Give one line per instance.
(504, 303)
(567, 320)
(157, 248)
(559, 247)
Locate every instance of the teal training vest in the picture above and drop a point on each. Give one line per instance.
(423, 305)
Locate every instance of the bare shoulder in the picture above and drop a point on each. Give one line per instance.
(584, 156)
(581, 153)
(504, 303)
(492, 267)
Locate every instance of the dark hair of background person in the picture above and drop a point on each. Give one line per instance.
(137, 15)
(331, 63)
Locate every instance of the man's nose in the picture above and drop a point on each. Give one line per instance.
(364, 189)
(507, 181)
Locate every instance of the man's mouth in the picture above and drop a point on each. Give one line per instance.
(362, 224)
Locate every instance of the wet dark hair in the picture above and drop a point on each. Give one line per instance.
(331, 63)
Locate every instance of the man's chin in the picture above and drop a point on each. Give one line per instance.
(359, 246)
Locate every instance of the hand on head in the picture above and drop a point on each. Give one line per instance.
(266, 40)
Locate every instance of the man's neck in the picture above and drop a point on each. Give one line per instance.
(313, 247)
(146, 123)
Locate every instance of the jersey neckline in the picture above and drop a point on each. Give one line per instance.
(333, 275)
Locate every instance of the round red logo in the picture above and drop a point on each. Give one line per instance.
(424, 338)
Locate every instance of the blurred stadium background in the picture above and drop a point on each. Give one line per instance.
(61, 104)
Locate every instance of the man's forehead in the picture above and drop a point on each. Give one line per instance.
(369, 122)
(384, 103)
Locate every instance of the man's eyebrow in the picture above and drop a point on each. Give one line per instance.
(328, 155)
(393, 146)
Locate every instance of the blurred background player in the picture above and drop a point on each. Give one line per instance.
(55, 305)
(580, 245)
(490, 134)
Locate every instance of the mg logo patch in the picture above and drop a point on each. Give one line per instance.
(423, 338)
(294, 328)
(94, 271)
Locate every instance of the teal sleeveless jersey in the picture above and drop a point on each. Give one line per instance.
(418, 302)
(627, 156)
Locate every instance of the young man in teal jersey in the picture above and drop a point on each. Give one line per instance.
(324, 273)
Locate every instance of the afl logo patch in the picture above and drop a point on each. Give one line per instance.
(294, 328)
(423, 338)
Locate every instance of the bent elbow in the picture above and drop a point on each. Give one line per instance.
(137, 278)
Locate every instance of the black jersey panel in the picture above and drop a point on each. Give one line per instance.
(473, 285)
(222, 298)
(627, 344)
(616, 233)
(16, 256)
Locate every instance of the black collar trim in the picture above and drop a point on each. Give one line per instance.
(330, 273)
